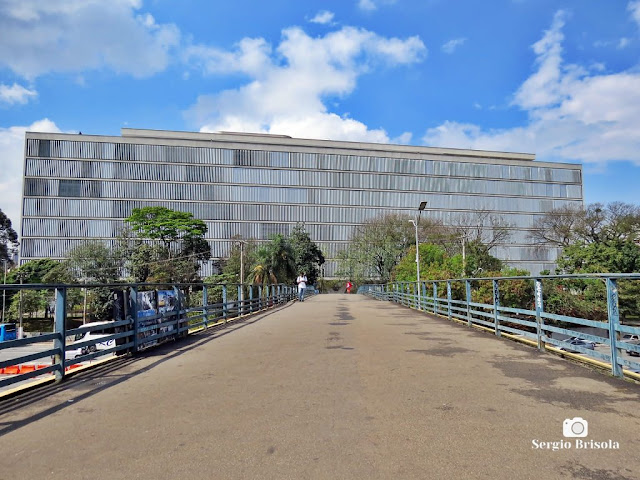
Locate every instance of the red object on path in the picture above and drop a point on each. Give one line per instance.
(349, 285)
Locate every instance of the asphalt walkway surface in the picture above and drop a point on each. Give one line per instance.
(337, 387)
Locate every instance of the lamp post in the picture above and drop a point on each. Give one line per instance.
(241, 293)
(4, 292)
(415, 223)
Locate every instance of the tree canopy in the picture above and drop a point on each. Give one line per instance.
(8, 239)
(166, 225)
(180, 252)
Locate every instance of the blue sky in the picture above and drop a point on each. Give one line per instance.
(560, 79)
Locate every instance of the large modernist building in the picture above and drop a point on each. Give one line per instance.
(79, 187)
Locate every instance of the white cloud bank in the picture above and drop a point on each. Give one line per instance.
(40, 36)
(289, 87)
(573, 113)
(452, 45)
(370, 5)
(16, 94)
(323, 18)
(12, 148)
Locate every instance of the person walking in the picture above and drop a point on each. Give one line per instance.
(302, 285)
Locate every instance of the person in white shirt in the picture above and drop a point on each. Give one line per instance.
(302, 285)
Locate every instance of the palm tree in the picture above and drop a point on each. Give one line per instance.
(275, 262)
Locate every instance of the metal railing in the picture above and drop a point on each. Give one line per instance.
(606, 342)
(143, 316)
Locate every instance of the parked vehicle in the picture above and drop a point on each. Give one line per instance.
(578, 343)
(631, 352)
(574, 339)
(627, 337)
(96, 336)
(8, 332)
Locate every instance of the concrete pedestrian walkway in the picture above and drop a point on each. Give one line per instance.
(337, 387)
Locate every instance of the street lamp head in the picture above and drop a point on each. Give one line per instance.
(422, 206)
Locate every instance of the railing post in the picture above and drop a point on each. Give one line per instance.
(496, 305)
(133, 292)
(449, 299)
(205, 303)
(259, 297)
(416, 289)
(423, 294)
(176, 292)
(614, 322)
(468, 296)
(250, 298)
(60, 342)
(435, 296)
(225, 307)
(239, 301)
(539, 310)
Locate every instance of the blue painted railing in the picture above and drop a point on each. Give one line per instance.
(137, 323)
(535, 325)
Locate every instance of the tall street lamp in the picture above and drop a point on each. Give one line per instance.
(415, 223)
(4, 292)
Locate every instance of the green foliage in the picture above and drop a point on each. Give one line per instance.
(600, 257)
(161, 223)
(479, 260)
(8, 239)
(597, 239)
(33, 271)
(248, 251)
(516, 293)
(94, 262)
(214, 287)
(177, 258)
(33, 301)
(435, 264)
(307, 255)
(583, 298)
(376, 248)
(275, 262)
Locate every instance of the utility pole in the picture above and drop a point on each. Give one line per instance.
(241, 299)
(415, 223)
(4, 292)
(21, 277)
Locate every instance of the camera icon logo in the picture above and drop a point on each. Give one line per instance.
(575, 427)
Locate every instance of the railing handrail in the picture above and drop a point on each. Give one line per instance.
(494, 316)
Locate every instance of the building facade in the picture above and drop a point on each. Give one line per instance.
(80, 187)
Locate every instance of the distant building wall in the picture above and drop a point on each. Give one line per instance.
(79, 187)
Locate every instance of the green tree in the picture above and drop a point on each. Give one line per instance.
(181, 250)
(376, 248)
(33, 301)
(275, 262)
(8, 239)
(435, 264)
(166, 225)
(94, 262)
(247, 249)
(596, 239)
(307, 255)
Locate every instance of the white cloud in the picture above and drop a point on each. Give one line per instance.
(574, 114)
(634, 8)
(370, 5)
(323, 17)
(11, 165)
(16, 94)
(289, 86)
(452, 45)
(623, 43)
(41, 36)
